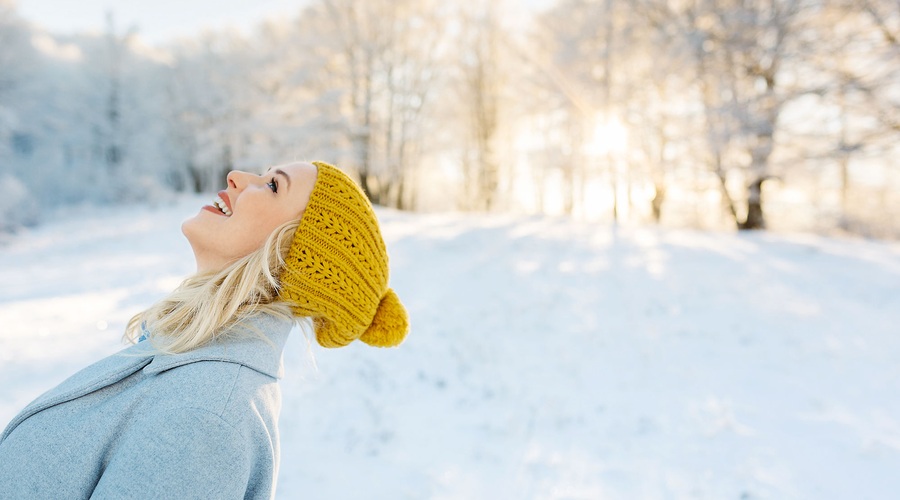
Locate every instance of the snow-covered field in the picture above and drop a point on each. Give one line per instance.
(548, 359)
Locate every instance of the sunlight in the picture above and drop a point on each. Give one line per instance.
(610, 136)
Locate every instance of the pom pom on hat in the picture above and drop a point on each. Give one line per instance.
(336, 270)
(390, 324)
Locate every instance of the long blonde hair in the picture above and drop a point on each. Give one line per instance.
(206, 304)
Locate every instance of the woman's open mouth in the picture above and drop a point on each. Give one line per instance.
(223, 207)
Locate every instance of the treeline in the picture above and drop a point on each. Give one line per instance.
(753, 114)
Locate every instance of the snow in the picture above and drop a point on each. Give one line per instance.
(548, 358)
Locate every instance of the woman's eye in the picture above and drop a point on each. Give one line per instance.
(273, 185)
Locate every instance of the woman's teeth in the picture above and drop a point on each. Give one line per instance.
(220, 204)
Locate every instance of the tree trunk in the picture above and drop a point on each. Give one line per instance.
(196, 178)
(364, 185)
(568, 171)
(614, 186)
(729, 202)
(755, 218)
(399, 202)
(659, 197)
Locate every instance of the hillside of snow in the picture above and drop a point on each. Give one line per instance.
(548, 358)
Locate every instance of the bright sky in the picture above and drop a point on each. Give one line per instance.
(157, 21)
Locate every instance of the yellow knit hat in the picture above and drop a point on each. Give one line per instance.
(336, 270)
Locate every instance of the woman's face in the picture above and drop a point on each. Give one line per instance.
(247, 212)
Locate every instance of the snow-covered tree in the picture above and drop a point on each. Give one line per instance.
(384, 61)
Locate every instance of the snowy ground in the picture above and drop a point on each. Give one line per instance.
(548, 359)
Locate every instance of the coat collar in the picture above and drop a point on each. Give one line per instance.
(251, 352)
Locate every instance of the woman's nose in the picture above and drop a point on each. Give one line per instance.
(238, 179)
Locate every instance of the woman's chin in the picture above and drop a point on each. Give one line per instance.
(191, 227)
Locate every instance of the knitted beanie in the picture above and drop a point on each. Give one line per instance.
(336, 270)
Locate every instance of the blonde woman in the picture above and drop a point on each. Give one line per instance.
(191, 409)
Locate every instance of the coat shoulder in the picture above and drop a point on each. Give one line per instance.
(228, 390)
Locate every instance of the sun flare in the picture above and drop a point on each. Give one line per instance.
(610, 136)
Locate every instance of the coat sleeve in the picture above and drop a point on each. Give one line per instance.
(182, 453)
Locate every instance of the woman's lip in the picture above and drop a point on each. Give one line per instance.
(224, 195)
(213, 210)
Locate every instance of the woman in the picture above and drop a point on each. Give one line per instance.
(191, 410)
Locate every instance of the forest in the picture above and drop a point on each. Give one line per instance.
(715, 114)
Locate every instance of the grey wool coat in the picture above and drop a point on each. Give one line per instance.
(202, 424)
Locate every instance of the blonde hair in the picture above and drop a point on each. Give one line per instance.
(206, 304)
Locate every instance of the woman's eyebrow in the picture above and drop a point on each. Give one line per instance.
(278, 171)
